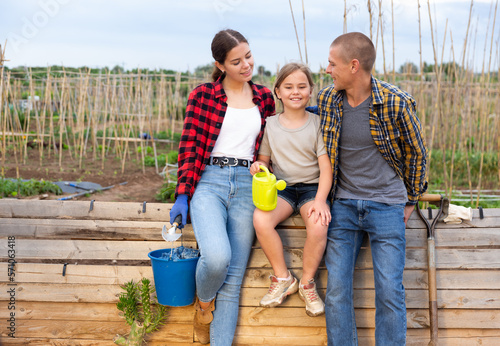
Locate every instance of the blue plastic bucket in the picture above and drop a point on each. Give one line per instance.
(174, 280)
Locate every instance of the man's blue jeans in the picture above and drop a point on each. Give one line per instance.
(222, 216)
(384, 224)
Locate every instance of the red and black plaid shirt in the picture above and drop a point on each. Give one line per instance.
(205, 113)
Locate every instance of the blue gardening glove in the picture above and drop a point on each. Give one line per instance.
(180, 208)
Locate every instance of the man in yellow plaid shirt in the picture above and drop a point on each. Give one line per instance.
(378, 155)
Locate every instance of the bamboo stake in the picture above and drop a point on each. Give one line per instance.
(81, 116)
(484, 117)
(455, 122)
(305, 40)
(421, 97)
(47, 108)
(380, 22)
(113, 120)
(161, 100)
(393, 46)
(370, 14)
(105, 120)
(295, 27)
(26, 130)
(150, 123)
(436, 103)
(344, 30)
(62, 115)
(129, 127)
(13, 125)
(52, 137)
(3, 119)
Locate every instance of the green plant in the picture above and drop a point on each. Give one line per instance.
(168, 135)
(150, 160)
(166, 193)
(18, 187)
(162, 159)
(148, 150)
(172, 157)
(140, 312)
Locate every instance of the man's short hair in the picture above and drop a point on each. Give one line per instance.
(356, 45)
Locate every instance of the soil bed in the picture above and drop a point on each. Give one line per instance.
(140, 185)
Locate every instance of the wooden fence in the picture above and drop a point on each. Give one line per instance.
(71, 259)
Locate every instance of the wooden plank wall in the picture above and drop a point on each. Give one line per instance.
(107, 246)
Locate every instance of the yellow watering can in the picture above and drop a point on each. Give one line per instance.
(265, 189)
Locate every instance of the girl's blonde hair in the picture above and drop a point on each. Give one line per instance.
(290, 68)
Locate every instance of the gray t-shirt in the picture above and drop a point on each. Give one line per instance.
(363, 172)
(294, 152)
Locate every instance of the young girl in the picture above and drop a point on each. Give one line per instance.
(222, 132)
(293, 143)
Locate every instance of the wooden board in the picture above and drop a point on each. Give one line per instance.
(119, 274)
(53, 209)
(108, 246)
(91, 293)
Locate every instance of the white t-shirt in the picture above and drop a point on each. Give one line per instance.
(238, 133)
(294, 152)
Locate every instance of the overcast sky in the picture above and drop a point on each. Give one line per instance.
(176, 34)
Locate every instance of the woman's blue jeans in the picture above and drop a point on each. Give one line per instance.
(384, 224)
(222, 217)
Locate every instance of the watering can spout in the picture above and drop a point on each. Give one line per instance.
(280, 185)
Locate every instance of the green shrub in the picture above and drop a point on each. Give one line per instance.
(168, 135)
(149, 150)
(172, 157)
(166, 193)
(439, 171)
(14, 188)
(150, 160)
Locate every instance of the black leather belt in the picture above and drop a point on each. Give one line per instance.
(229, 161)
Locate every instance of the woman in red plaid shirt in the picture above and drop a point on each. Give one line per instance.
(222, 132)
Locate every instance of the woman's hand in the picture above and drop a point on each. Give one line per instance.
(320, 211)
(180, 207)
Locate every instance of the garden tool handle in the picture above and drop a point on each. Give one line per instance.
(430, 197)
(177, 220)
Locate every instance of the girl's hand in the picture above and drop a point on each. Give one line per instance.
(321, 211)
(255, 167)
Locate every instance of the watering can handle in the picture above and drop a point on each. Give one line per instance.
(264, 168)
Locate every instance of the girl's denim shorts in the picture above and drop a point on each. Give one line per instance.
(299, 194)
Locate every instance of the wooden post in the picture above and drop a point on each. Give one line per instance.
(3, 119)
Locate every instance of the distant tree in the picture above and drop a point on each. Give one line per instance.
(261, 70)
(451, 69)
(408, 67)
(117, 69)
(203, 70)
(428, 67)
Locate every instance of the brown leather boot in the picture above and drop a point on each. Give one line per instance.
(202, 320)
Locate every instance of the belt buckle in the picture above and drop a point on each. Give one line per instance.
(235, 163)
(223, 161)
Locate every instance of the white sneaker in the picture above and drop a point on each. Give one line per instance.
(279, 290)
(309, 294)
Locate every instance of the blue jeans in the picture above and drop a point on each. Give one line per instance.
(384, 224)
(222, 215)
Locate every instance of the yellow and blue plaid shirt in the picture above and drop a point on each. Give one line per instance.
(395, 129)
